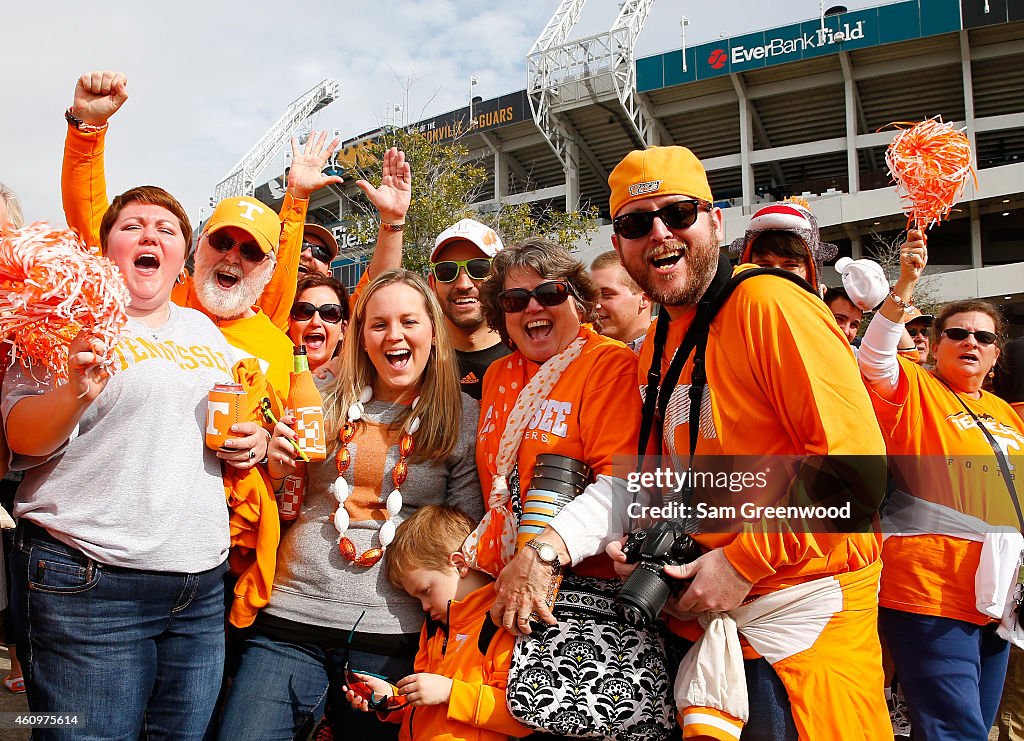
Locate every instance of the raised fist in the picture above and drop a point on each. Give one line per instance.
(98, 95)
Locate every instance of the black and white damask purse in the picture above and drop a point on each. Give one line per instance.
(592, 676)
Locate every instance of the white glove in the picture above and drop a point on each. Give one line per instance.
(864, 281)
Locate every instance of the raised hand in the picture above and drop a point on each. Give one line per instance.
(306, 173)
(913, 255)
(393, 196)
(98, 95)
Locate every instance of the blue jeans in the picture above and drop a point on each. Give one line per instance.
(135, 653)
(951, 673)
(281, 687)
(771, 717)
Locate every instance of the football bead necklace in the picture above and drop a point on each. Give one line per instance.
(341, 490)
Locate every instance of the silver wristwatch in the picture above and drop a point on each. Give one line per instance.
(546, 552)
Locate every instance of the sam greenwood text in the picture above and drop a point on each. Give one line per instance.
(746, 511)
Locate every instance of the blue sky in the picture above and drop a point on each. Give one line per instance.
(206, 80)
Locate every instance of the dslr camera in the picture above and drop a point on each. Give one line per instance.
(644, 594)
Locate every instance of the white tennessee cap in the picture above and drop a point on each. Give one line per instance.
(485, 238)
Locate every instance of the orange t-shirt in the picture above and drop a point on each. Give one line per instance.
(937, 454)
(782, 381)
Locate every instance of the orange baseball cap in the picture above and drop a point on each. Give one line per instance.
(255, 217)
(657, 171)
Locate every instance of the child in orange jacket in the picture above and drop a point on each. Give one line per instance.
(458, 690)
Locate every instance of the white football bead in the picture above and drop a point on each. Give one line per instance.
(365, 395)
(355, 412)
(387, 533)
(340, 490)
(415, 402)
(414, 426)
(394, 502)
(341, 519)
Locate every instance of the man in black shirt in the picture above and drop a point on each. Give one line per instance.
(459, 262)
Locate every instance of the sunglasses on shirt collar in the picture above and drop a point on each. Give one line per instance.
(318, 252)
(382, 704)
(678, 215)
(250, 251)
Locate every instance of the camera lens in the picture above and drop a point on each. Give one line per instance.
(643, 595)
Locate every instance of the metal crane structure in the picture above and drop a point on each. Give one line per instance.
(241, 179)
(562, 75)
(542, 91)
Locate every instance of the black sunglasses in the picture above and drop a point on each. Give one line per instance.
(550, 293)
(447, 271)
(250, 251)
(959, 334)
(678, 215)
(382, 704)
(914, 331)
(303, 311)
(319, 253)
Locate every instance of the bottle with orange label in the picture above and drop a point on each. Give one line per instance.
(306, 405)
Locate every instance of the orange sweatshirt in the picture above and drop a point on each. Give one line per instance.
(477, 709)
(938, 454)
(253, 519)
(782, 381)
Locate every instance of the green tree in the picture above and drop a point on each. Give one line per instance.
(446, 182)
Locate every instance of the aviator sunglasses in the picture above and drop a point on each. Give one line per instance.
(382, 704)
(549, 293)
(678, 215)
(959, 334)
(447, 271)
(250, 251)
(303, 311)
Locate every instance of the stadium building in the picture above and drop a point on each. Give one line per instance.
(802, 109)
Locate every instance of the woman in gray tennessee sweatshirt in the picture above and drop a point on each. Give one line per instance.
(400, 436)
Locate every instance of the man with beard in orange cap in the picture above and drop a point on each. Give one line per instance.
(773, 388)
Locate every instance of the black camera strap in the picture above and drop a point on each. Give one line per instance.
(1004, 465)
(695, 342)
(659, 391)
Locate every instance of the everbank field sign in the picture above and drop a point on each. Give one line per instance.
(858, 29)
(786, 46)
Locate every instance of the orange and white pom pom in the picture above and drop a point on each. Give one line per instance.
(52, 287)
(930, 163)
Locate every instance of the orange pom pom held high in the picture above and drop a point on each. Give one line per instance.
(930, 163)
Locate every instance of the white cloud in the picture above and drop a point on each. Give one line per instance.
(207, 79)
